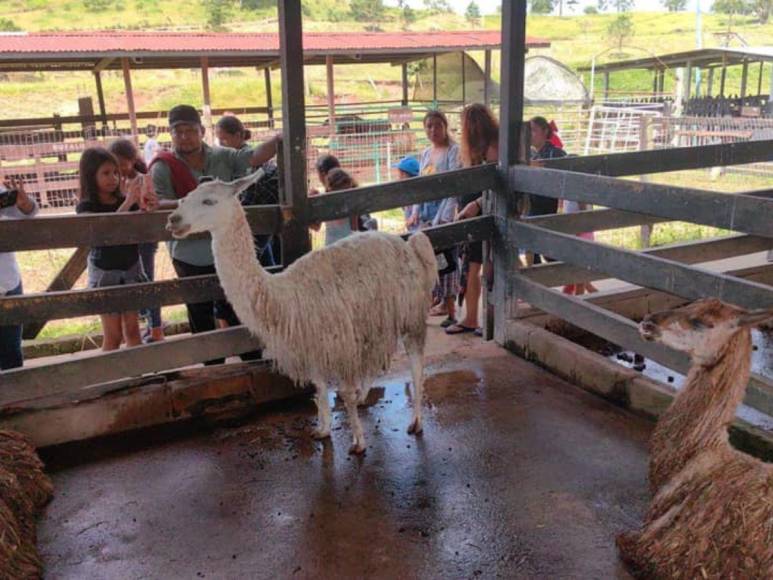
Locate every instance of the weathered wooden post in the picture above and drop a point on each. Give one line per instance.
(295, 233)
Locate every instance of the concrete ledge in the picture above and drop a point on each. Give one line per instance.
(208, 394)
(623, 386)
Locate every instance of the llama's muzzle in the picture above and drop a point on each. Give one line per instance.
(176, 227)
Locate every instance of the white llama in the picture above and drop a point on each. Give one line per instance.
(335, 316)
(712, 514)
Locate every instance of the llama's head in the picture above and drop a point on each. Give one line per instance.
(701, 328)
(209, 207)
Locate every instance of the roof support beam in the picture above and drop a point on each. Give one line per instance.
(127, 82)
(103, 64)
(331, 93)
(744, 78)
(404, 76)
(210, 137)
(269, 96)
(100, 97)
(487, 78)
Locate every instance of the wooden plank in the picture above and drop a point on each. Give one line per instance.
(296, 240)
(664, 160)
(58, 305)
(64, 280)
(339, 204)
(695, 252)
(623, 332)
(65, 231)
(596, 220)
(212, 394)
(23, 384)
(593, 220)
(642, 269)
(743, 213)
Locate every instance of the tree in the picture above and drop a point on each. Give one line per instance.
(620, 29)
(217, 12)
(590, 10)
(542, 6)
(437, 6)
(472, 14)
(763, 10)
(408, 15)
(367, 10)
(674, 5)
(569, 3)
(8, 25)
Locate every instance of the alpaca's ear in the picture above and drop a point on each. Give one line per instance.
(755, 317)
(239, 185)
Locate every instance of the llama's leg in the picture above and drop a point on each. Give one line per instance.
(323, 411)
(349, 394)
(362, 392)
(416, 354)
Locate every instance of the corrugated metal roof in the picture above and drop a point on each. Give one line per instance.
(79, 43)
(703, 57)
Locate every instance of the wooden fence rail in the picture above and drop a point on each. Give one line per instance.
(58, 305)
(744, 213)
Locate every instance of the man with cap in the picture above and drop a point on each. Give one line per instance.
(177, 173)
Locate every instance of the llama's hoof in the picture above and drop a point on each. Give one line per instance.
(362, 398)
(319, 434)
(357, 449)
(415, 427)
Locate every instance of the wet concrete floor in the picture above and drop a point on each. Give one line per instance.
(517, 475)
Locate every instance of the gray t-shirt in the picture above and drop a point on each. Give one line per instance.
(220, 163)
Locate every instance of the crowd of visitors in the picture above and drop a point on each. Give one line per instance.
(122, 178)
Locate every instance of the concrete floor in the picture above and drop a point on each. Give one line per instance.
(517, 475)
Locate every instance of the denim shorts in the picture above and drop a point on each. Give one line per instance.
(99, 278)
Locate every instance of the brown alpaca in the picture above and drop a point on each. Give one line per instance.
(712, 514)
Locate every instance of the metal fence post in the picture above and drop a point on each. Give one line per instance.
(510, 133)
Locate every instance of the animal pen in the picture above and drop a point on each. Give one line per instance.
(496, 488)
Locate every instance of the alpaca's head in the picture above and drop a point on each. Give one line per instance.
(210, 207)
(702, 328)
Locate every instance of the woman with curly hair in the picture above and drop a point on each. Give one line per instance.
(479, 144)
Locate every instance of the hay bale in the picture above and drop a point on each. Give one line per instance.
(18, 455)
(24, 491)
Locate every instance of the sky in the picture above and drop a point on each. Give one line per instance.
(490, 6)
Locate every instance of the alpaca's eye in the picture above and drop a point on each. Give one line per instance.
(698, 324)
(209, 202)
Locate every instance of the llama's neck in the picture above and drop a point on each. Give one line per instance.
(698, 419)
(243, 279)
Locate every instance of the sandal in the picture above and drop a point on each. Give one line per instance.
(459, 329)
(448, 322)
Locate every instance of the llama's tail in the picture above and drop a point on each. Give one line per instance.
(420, 244)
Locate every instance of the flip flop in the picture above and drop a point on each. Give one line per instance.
(459, 329)
(448, 322)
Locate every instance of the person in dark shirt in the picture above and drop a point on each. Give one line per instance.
(543, 142)
(100, 192)
(133, 167)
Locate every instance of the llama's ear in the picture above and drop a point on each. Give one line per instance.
(755, 317)
(239, 185)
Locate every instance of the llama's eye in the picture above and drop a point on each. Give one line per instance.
(209, 201)
(698, 324)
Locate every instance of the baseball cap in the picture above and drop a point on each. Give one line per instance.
(184, 114)
(409, 165)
